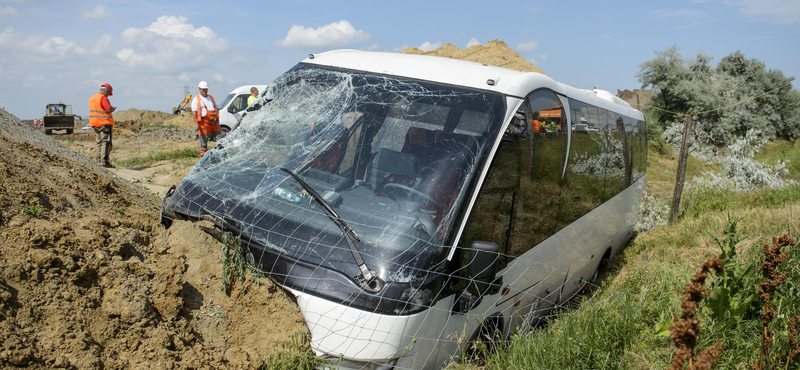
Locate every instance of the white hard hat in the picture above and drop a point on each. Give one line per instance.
(203, 85)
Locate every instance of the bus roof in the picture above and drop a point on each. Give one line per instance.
(463, 73)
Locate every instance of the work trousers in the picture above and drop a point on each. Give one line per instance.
(102, 137)
(203, 139)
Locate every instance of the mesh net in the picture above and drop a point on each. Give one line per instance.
(346, 188)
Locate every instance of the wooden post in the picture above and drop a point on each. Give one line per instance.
(679, 179)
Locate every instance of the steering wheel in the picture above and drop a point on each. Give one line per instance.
(391, 190)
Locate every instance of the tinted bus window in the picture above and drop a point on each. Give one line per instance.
(541, 189)
(584, 180)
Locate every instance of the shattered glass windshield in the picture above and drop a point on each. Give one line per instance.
(391, 156)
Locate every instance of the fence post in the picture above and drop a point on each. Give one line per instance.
(679, 179)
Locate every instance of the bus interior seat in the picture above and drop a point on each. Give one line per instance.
(389, 166)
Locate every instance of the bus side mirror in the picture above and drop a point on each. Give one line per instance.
(481, 275)
(232, 109)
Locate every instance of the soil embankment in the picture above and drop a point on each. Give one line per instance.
(494, 53)
(89, 280)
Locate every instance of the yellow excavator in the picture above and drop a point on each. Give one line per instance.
(186, 100)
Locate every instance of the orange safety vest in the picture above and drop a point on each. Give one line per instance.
(537, 127)
(207, 124)
(97, 115)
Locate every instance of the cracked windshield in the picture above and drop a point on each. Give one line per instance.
(392, 157)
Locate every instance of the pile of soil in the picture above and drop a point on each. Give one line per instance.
(493, 53)
(645, 97)
(183, 120)
(143, 117)
(89, 280)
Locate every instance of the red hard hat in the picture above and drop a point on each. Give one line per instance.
(110, 89)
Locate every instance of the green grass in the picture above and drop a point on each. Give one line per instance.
(293, 354)
(157, 157)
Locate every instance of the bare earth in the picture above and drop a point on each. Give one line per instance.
(93, 282)
(493, 53)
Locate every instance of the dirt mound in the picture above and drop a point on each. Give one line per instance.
(143, 117)
(89, 280)
(183, 120)
(493, 53)
(645, 97)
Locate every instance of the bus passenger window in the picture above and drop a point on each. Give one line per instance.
(584, 181)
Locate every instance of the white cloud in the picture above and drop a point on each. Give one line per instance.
(775, 11)
(185, 77)
(538, 58)
(170, 44)
(527, 46)
(218, 78)
(373, 47)
(8, 11)
(473, 42)
(336, 34)
(428, 46)
(99, 12)
(38, 47)
(101, 44)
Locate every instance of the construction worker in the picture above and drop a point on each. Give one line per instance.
(102, 122)
(537, 126)
(253, 96)
(206, 117)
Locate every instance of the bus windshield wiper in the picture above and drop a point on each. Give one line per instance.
(367, 278)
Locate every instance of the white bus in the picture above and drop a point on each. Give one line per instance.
(409, 202)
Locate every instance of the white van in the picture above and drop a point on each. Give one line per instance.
(408, 204)
(232, 107)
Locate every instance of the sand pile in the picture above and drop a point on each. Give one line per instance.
(89, 280)
(493, 53)
(645, 97)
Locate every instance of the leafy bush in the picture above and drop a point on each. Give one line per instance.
(733, 294)
(652, 214)
(740, 172)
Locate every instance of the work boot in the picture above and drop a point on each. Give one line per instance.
(108, 165)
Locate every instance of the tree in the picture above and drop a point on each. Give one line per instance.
(691, 85)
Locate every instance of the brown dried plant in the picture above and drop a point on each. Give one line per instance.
(773, 278)
(794, 340)
(685, 329)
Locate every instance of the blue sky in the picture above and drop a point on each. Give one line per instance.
(63, 50)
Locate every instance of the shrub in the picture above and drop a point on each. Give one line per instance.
(33, 211)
